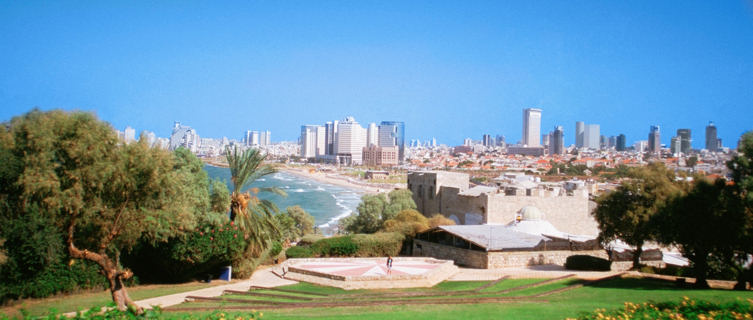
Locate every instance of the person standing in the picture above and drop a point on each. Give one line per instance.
(389, 264)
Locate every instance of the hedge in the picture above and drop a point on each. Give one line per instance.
(298, 252)
(587, 263)
(685, 309)
(335, 247)
(359, 245)
(379, 244)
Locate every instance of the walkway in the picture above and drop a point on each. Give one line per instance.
(538, 271)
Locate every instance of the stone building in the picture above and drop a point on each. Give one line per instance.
(375, 156)
(565, 205)
(530, 241)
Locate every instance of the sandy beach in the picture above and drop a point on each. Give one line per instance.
(334, 179)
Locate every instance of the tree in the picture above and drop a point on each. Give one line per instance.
(219, 197)
(102, 195)
(741, 170)
(440, 220)
(408, 222)
(374, 210)
(703, 225)
(626, 212)
(304, 222)
(253, 215)
(691, 161)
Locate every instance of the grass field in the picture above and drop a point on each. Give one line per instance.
(78, 301)
(516, 299)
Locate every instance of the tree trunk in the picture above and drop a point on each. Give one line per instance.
(701, 270)
(637, 256)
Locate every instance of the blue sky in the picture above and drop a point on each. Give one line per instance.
(450, 70)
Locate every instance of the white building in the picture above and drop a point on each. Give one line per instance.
(265, 138)
(321, 139)
(531, 127)
(129, 135)
(308, 141)
(351, 139)
(592, 136)
(372, 135)
(184, 136)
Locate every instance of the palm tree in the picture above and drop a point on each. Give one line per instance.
(253, 215)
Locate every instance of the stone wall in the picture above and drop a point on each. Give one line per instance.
(462, 257)
(426, 186)
(569, 214)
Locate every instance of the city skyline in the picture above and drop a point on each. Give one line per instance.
(471, 68)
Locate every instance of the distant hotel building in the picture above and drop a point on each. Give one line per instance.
(531, 127)
(184, 136)
(392, 134)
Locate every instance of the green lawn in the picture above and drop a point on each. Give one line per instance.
(78, 301)
(607, 294)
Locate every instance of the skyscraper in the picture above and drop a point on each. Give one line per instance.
(711, 139)
(308, 141)
(591, 136)
(531, 127)
(685, 140)
(579, 134)
(654, 140)
(372, 135)
(557, 141)
(391, 134)
(620, 146)
(330, 141)
(351, 139)
(129, 134)
(487, 140)
(265, 138)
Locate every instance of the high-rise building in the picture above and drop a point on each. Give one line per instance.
(254, 138)
(531, 127)
(612, 142)
(308, 141)
(675, 145)
(351, 139)
(711, 139)
(265, 138)
(129, 134)
(685, 140)
(184, 136)
(247, 138)
(500, 140)
(331, 137)
(321, 137)
(620, 145)
(557, 141)
(641, 146)
(654, 140)
(580, 131)
(391, 134)
(545, 139)
(487, 141)
(591, 136)
(372, 135)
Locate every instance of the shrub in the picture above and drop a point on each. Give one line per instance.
(379, 244)
(440, 220)
(335, 247)
(309, 239)
(686, 309)
(275, 249)
(298, 252)
(408, 222)
(588, 263)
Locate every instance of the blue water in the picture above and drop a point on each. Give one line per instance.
(325, 202)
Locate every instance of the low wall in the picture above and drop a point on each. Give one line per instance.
(462, 257)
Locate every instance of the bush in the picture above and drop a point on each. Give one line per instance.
(379, 244)
(298, 252)
(335, 247)
(686, 309)
(275, 249)
(587, 263)
(408, 222)
(309, 239)
(203, 251)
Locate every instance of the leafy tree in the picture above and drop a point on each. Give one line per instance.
(286, 225)
(408, 222)
(741, 170)
(703, 225)
(102, 195)
(304, 222)
(219, 197)
(626, 212)
(692, 161)
(253, 215)
(374, 210)
(440, 220)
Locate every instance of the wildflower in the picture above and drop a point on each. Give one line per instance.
(211, 238)
(201, 233)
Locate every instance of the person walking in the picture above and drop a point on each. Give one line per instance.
(389, 264)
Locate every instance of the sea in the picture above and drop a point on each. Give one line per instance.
(327, 203)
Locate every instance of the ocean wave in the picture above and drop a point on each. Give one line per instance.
(298, 190)
(335, 219)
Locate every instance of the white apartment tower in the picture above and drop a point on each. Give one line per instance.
(372, 135)
(351, 139)
(308, 141)
(580, 131)
(531, 127)
(321, 145)
(592, 136)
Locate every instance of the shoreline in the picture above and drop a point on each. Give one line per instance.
(329, 179)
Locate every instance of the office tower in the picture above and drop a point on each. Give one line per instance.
(602, 142)
(591, 136)
(151, 138)
(685, 140)
(265, 138)
(129, 135)
(254, 138)
(247, 138)
(641, 146)
(654, 140)
(545, 139)
(620, 146)
(351, 139)
(321, 137)
(580, 131)
(308, 141)
(557, 141)
(467, 142)
(612, 142)
(500, 140)
(675, 145)
(531, 127)
(331, 137)
(392, 133)
(711, 140)
(487, 141)
(372, 135)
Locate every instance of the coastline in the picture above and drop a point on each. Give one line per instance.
(332, 179)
